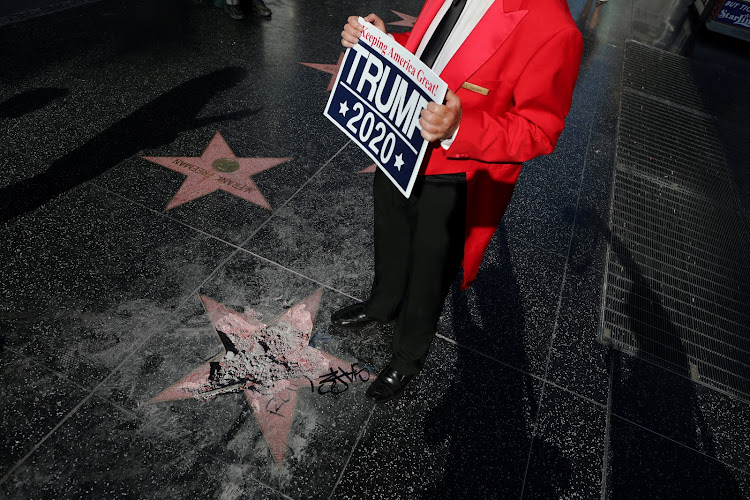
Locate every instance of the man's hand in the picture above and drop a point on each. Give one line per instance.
(440, 122)
(353, 30)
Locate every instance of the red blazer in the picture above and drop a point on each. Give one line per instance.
(526, 53)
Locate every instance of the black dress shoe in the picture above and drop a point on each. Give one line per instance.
(389, 385)
(352, 316)
(260, 8)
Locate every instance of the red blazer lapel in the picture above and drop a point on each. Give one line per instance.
(489, 34)
(428, 13)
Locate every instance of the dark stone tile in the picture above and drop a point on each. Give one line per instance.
(17, 166)
(665, 25)
(257, 41)
(462, 429)
(34, 401)
(605, 22)
(324, 426)
(606, 116)
(49, 49)
(509, 311)
(645, 465)
(568, 451)
(681, 410)
(727, 427)
(88, 275)
(596, 99)
(288, 101)
(325, 232)
(330, 18)
(287, 96)
(543, 207)
(137, 95)
(104, 452)
(578, 360)
(120, 98)
(31, 131)
(100, 144)
(566, 161)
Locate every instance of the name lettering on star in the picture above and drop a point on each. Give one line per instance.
(217, 169)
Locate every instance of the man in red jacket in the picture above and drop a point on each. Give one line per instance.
(510, 66)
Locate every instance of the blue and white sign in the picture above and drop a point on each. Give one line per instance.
(735, 13)
(377, 99)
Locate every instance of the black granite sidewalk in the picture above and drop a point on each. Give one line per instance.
(122, 257)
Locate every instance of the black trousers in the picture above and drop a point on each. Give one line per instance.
(418, 251)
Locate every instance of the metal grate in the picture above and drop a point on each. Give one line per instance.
(677, 281)
(680, 148)
(662, 75)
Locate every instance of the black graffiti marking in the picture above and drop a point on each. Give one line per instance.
(338, 381)
(273, 405)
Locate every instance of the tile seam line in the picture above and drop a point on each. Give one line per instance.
(124, 409)
(189, 444)
(351, 453)
(519, 370)
(607, 427)
(33, 361)
(557, 310)
(75, 409)
(148, 336)
(618, 346)
(603, 295)
(683, 445)
(237, 248)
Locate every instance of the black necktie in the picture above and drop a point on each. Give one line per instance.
(435, 45)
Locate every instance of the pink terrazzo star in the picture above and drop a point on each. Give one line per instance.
(331, 69)
(406, 20)
(269, 363)
(217, 169)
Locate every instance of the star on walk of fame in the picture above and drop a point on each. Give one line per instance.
(331, 69)
(270, 363)
(406, 20)
(217, 169)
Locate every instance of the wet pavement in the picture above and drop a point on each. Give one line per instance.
(169, 181)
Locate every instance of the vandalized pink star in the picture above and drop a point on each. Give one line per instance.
(406, 20)
(331, 69)
(269, 363)
(217, 169)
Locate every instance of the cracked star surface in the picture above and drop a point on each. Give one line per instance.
(268, 362)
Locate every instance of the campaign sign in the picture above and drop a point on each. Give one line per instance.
(377, 99)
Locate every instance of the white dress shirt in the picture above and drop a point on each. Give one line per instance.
(473, 11)
(470, 16)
